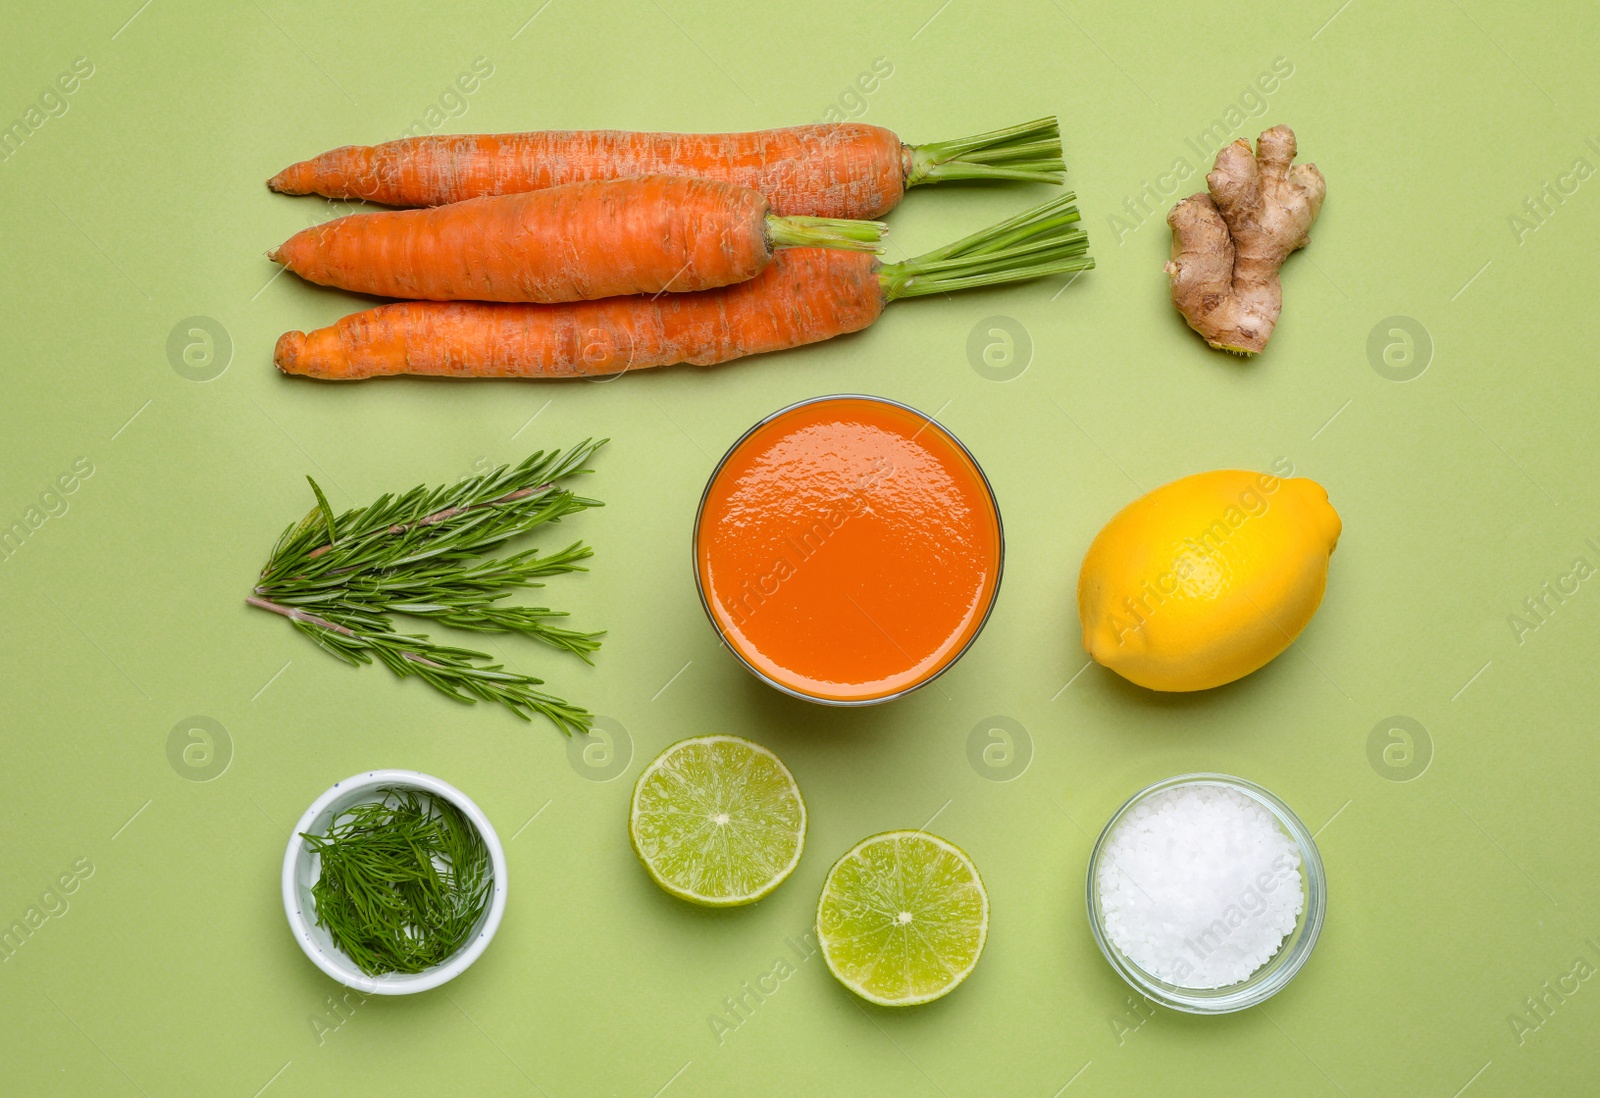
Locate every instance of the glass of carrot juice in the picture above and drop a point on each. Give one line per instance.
(848, 549)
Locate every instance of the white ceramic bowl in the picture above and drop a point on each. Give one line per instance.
(301, 867)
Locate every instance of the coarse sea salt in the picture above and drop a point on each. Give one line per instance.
(1199, 886)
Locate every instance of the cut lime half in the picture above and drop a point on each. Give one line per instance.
(903, 918)
(718, 821)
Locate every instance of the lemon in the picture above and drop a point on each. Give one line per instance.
(1206, 579)
(717, 821)
(903, 918)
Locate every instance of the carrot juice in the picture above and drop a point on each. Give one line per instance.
(848, 549)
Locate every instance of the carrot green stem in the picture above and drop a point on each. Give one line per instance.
(1038, 242)
(825, 232)
(1029, 152)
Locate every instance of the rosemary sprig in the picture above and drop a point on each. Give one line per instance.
(403, 881)
(339, 578)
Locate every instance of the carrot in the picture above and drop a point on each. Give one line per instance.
(844, 169)
(577, 242)
(805, 295)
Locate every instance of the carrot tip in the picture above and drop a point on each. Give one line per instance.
(290, 180)
(286, 355)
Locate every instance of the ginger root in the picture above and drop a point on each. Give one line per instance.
(1227, 246)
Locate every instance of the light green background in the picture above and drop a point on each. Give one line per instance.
(1454, 896)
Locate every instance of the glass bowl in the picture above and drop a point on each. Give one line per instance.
(1271, 977)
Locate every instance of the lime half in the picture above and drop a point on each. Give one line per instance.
(718, 820)
(903, 918)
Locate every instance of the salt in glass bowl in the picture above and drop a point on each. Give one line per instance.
(1271, 977)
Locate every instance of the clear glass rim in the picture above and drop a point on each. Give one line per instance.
(705, 602)
(1266, 981)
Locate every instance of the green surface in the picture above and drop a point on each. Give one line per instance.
(1454, 897)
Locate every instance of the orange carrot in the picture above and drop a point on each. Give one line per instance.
(844, 169)
(576, 242)
(804, 295)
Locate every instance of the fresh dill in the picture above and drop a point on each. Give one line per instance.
(403, 882)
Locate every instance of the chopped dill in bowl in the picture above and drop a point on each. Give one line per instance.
(403, 881)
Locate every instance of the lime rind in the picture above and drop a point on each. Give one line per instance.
(903, 918)
(717, 820)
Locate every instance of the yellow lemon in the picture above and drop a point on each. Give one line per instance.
(1206, 579)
